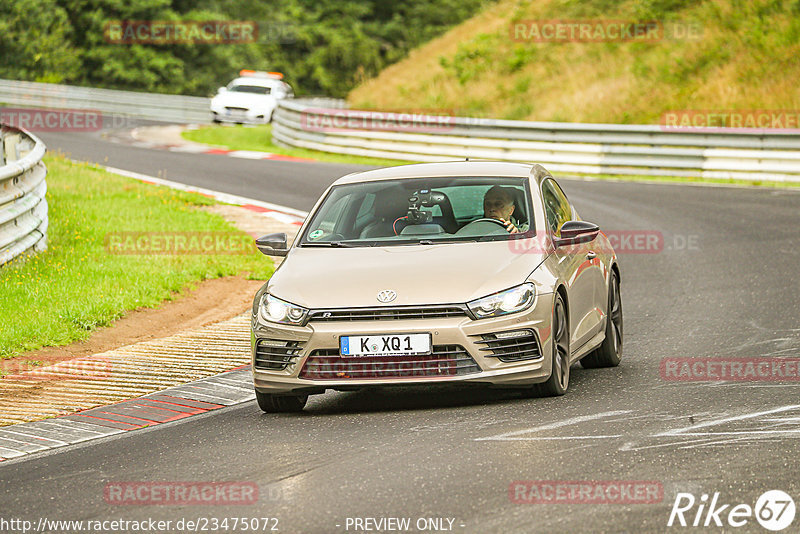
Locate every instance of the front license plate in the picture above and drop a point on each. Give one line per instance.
(385, 345)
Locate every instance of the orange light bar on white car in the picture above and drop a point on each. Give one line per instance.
(261, 74)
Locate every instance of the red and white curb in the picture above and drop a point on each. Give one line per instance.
(199, 148)
(280, 213)
(179, 402)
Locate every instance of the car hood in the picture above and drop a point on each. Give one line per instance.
(420, 274)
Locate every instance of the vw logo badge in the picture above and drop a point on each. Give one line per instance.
(387, 295)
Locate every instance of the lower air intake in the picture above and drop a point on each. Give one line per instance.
(445, 360)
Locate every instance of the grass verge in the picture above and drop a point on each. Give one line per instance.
(60, 295)
(259, 138)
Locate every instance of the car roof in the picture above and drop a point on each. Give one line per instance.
(451, 168)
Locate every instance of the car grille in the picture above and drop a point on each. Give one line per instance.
(445, 360)
(386, 314)
(276, 354)
(234, 108)
(511, 346)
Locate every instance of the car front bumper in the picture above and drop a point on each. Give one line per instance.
(250, 116)
(323, 338)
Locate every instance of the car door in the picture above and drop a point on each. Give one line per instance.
(578, 268)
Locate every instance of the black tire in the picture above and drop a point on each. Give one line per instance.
(280, 403)
(557, 384)
(609, 353)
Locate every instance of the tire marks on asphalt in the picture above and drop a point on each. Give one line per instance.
(647, 429)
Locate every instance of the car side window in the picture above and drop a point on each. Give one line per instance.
(333, 213)
(556, 206)
(365, 211)
(467, 201)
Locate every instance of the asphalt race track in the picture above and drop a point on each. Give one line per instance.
(723, 283)
(293, 184)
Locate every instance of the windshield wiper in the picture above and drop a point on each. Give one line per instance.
(331, 244)
(492, 237)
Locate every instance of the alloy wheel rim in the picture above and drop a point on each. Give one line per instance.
(561, 362)
(616, 315)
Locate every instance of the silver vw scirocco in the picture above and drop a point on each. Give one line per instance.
(470, 272)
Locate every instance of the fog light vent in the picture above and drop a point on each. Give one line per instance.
(276, 354)
(512, 346)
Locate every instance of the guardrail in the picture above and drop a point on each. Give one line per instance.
(170, 108)
(563, 147)
(23, 207)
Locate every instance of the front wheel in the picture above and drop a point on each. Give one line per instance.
(609, 353)
(558, 382)
(280, 403)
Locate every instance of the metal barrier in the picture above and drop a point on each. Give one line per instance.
(170, 108)
(747, 154)
(23, 207)
(563, 147)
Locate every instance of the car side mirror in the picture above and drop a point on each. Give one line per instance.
(574, 232)
(221, 90)
(272, 244)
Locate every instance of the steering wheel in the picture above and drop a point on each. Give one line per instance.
(488, 219)
(469, 230)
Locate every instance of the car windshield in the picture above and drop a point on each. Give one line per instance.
(421, 210)
(255, 89)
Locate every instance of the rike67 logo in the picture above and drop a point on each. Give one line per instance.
(774, 510)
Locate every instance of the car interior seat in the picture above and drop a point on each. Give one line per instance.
(447, 220)
(519, 217)
(387, 208)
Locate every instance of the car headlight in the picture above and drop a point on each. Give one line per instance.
(509, 301)
(275, 310)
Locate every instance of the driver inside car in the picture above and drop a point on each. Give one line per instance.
(498, 203)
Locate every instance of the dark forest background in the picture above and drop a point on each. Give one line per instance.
(323, 46)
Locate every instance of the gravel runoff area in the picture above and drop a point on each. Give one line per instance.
(141, 368)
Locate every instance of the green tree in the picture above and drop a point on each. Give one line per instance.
(35, 43)
(323, 46)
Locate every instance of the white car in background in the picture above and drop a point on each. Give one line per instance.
(251, 98)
